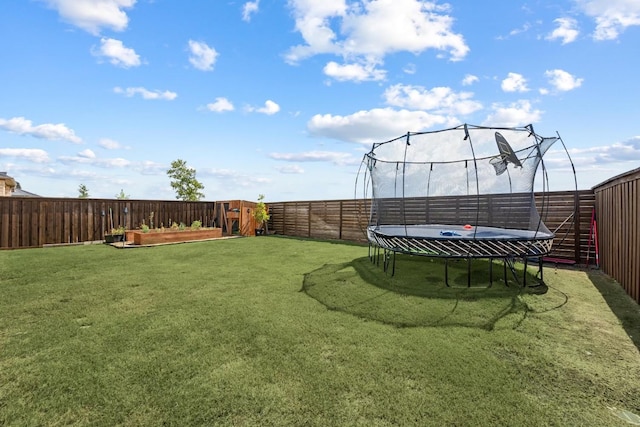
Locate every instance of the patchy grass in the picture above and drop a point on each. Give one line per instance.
(220, 333)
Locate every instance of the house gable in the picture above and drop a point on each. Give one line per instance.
(7, 185)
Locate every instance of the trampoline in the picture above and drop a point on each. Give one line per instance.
(456, 241)
(463, 192)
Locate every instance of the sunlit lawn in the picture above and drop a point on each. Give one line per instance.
(278, 331)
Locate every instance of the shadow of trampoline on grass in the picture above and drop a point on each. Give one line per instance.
(417, 295)
(621, 304)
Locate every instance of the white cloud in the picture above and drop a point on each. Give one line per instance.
(290, 169)
(117, 53)
(441, 100)
(312, 21)
(145, 93)
(147, 167)
(354, 72)
(109, 144)
(612, 16)
(334, 157)
(250, 8)
(49, 131)
(116, 163)
(31, 154)
(369, 30)
(525, 27)
(374, 125)
(519, 113)
(220, 105)
(87, 154)
(514, 83)
(93, 15)
(83, 158)
(410, 69)
(566, 30)
(625, 151)
(469, 79)
(562, 80)
(202, 56)
(269, 108)
(235, 178)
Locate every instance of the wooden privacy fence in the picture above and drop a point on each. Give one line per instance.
(347, 219)
(618, 229)
(34, 221)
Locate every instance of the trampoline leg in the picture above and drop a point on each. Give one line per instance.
(490, 272)
(393, 268)
(385, 260)
(446, 272)
(468, 272)
(524, 274)
(512, 267)
(504, 264)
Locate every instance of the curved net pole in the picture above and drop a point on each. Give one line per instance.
(364, 194)
(395, 181)
(510, 209)
(575, 183)
(475, 164)
(545, 180)
(429, 178)
(573, 168)
(404, 168)
(365, 189)
(466, 167)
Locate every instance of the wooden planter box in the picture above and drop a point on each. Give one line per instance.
(168, 236)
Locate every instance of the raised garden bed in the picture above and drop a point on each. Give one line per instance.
(172, 236)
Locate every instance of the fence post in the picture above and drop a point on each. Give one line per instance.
(309, 219)
(340, 221)
(576, 222)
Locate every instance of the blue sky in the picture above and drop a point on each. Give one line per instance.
(283, 98)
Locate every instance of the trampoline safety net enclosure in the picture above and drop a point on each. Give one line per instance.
(414, 179)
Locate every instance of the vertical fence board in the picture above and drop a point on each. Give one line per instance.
(618, 212)
(5, 224)
(15, 231)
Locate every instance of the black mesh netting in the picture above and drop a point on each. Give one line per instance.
(460, 192)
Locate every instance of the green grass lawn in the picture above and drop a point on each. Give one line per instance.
(278, 331)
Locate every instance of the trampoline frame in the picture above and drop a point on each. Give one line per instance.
(458, 247)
